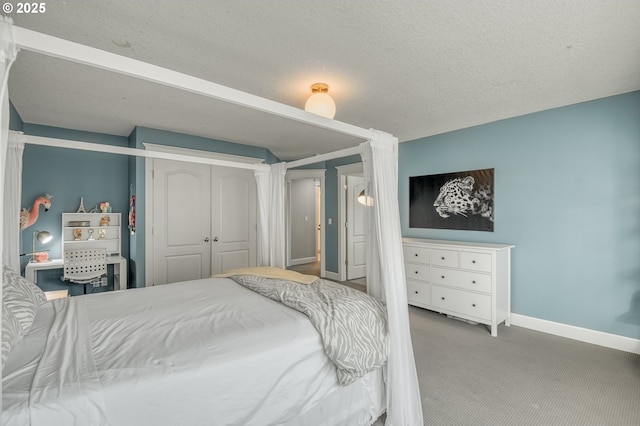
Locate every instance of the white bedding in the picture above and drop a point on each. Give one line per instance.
(193, 353)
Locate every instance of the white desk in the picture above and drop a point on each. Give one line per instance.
(119, 270)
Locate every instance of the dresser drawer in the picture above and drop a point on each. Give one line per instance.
(416, 254)
(418, 292)
(444, 258)
(461, 279)
(463, 302)
(475, 261)
(416, 271)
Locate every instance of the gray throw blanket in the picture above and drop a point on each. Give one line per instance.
(352, 324)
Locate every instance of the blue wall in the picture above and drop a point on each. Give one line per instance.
(567, 194)
(68, 175)
(15, 121)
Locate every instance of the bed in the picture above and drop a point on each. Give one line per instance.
(200, 352)
(385, 272)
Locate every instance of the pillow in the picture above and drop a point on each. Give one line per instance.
(21, 297)
(12, 332)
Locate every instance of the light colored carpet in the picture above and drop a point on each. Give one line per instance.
(520, 378)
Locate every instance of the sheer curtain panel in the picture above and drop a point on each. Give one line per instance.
(386, 278)
(12, 198)
(276, 216)
(7, 56)
(271, 241)
(263, 183)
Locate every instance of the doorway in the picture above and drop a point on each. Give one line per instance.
(305, 236)
(352, 237)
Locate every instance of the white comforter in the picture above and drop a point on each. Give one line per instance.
(193, 353)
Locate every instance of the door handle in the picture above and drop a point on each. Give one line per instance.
(215, 239)
(206, 239)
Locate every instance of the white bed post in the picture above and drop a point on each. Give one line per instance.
(403, 398)
(386, 278)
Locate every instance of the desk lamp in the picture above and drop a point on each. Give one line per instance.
(43, 237)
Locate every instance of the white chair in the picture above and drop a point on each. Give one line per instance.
(85, 266)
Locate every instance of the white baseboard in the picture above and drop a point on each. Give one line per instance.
(302, 261)
(608, 340)
(332, 275)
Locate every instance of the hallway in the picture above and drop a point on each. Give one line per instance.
(313, 268)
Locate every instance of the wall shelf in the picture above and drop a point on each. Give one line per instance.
(103, 236)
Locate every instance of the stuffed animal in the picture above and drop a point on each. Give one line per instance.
(29, 217)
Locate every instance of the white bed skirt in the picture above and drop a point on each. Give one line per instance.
(358, 404)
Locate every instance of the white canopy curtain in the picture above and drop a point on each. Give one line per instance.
(12, 200)
(263, 187)
(386, 278)
(271, 240)
(7, 56)
(277, 252)
(380, 156)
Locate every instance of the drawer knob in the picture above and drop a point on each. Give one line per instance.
(473, 304)
(442, 298)
(442, 276)
(416, 291)
(474, 281)
(442, 258)
(473, 261)
(416, 272)
(416, 255)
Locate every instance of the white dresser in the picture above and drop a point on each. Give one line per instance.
(466, 280)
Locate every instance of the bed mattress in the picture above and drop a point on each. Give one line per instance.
(193, 353)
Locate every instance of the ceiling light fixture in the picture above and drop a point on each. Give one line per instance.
(320, 102)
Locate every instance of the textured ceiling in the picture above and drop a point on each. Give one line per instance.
(410, 68)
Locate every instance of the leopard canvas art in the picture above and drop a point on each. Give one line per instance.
(461, 200)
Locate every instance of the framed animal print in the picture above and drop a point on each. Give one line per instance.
(460, 200)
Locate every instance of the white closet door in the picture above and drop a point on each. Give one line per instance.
(233, 218)
(356, 230)
(182, 221)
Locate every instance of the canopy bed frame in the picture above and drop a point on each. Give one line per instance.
(385, 274)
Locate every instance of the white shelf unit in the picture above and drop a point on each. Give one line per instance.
(111, 241)
(465, 280)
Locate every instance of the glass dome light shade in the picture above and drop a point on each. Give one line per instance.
(321, 104)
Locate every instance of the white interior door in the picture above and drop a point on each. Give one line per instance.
(356, 230)
(233, 219)
(181, 221)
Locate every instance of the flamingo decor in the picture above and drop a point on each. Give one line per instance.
(29, 217)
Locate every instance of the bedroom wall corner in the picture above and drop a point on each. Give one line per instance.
(135, 251)
(69, 174)
(567, 192)
(15, 121)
